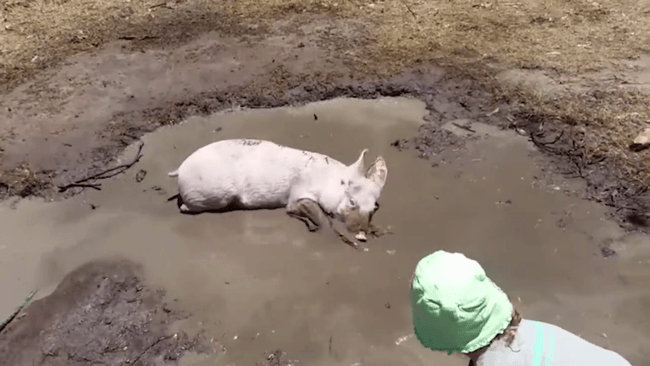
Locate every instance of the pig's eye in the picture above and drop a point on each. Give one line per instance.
(376, 206)
(353, 203)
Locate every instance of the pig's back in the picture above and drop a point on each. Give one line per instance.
(255, 173)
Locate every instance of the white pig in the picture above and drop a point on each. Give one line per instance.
(257, 174)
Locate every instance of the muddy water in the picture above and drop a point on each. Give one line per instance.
(258, 280)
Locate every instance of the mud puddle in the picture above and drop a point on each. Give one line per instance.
(257, 281)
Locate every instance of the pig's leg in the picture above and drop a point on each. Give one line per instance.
(306, 209)
(185, 208)
(309, 212)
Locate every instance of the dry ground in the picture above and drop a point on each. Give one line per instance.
(569, 36)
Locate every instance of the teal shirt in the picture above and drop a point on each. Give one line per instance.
(542, 344)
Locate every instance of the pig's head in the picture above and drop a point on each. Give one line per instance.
(361, 192)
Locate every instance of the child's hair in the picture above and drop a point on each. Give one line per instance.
(510, 332)
(508, 336)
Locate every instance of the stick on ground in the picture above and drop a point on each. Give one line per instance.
(13, 315)
(149, 347)
(345, 239)
(108, 173)
(466, 128)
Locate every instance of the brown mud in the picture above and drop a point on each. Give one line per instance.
(258, 280)
(101, 313)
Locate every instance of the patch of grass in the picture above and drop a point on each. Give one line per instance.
(601, 125)
(23, 181)
(567, 35)
(574, 35)
(35, 34)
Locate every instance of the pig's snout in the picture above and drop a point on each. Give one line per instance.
(356, 221)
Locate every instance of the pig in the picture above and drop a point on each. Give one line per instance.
(257, 174)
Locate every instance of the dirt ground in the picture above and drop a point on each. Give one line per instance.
(101, 313)
(80, 82)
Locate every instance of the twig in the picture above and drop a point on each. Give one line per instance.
(13, 315)
(579, 169)
(544, 146)
(158, 5)
(148, 348)
(109, 173)
(623, 207)
(344, 238)
(82, 185)
(116, 170)
(466, 128)
(409, 9)
(557, 138)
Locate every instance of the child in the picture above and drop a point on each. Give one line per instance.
(456, 308)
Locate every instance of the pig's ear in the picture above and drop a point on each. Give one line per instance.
(359, 166)
(378, 172)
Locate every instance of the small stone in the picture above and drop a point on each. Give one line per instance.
(139, 177)
(607, 251)
(642, 141)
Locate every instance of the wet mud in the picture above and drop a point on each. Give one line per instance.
(258, 281)
(101, 313)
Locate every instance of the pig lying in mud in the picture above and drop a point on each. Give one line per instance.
(257, 174)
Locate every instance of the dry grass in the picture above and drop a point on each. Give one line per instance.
(24, 182)
(563, 34)
(601, 123)
(36, 33)
(572, 35)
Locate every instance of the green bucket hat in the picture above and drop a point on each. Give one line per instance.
(456, 308)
